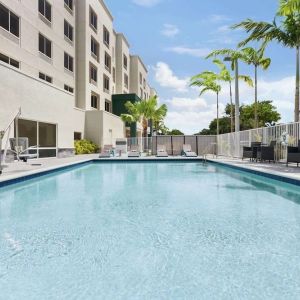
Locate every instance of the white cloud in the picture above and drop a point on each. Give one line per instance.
(170, 30)
(223, 28)
(166, 78)
(187, 103)
(146, 3)
(218, 18)
(196, 52)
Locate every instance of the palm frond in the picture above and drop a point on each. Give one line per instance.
(247, 79)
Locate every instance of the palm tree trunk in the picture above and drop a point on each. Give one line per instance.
(255, 105)
(237, 97)
(231, 107)
(218, 129)
(297, 87)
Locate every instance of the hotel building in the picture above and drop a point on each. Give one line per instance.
(61, 62)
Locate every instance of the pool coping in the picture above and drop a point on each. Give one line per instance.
(27, 175)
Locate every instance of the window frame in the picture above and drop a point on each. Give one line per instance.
(9, 26)
(107, 102)
(44, 10)
(107, 57)
(125, 59)
(67, 5)
(10, 60)
(93, 67)
(92, 15)
(70, 31)
(69, 61)
(95, 97)
(68, 88)
(106, 80)
(106, 36)
(93, 54)
(45, 77)
(45, 45)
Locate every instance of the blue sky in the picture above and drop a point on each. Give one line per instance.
(173, 38)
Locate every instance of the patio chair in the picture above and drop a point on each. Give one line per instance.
(293, 154)
(251, 152)
(266, 152)
(22, 150)
(187, 151)
(106, 151)
(162, 151)
(134, 151)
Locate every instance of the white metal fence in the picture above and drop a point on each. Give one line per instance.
(231, 144)
(202, 145)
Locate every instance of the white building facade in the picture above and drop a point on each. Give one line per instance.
(60, 62)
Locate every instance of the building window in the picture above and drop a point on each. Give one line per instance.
(68, 62)
(69, 4)
(94, 49)
(69, 89)
(68, 30)
(93, 19)
(125, 61)
(93, 73)
(105, 36)
(126, 81)
(107, 106)
(141, 93)
(9, 61)
(106, 84)
(144, 83)
(94, 101)
(45, 9)
(45, 46)
(45, 77)
(107, 62)
(141, 78)
(77, 136)
(9, 21)
(114, 75)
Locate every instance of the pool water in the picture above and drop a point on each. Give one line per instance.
(150, 231)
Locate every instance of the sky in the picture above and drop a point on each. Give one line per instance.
(173, 38)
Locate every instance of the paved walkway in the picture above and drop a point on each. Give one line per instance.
(280, 169)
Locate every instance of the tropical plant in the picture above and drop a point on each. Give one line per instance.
(256, 58)
(286, 33)
(225, 75)
(207, 81)
(145, 111)
(175, 132)
(232, 56)
(85, 147)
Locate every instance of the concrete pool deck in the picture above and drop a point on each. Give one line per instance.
(19, 170)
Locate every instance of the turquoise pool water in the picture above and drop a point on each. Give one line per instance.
(150, 231)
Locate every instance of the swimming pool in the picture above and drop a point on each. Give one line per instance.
(150, 231)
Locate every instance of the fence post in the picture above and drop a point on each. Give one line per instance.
(172, 145)
(197, 150)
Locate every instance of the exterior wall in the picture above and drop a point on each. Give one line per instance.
(26, 49)
(137, 67)
(33, 95)
(85, 32)
(103, 127)
(122, 48)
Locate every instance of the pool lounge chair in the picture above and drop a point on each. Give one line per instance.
(293, 154)
(106, 151)
(22, 150)
(134, 151)
(187, 151)
(161, 151)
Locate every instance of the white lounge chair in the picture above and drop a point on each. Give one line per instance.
(187, 151)
(106, 151)
(162, 151)
(22, 149)
(134, 151)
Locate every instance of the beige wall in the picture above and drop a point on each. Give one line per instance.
(103, 127)
(39, 101)
(137, 67)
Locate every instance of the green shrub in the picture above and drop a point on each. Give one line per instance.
(85, 147)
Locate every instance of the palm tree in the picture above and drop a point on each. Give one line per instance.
(207, 81)
(256, 58)
(145, 111)
(286, 33)
(233, 56)
(225, 75)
